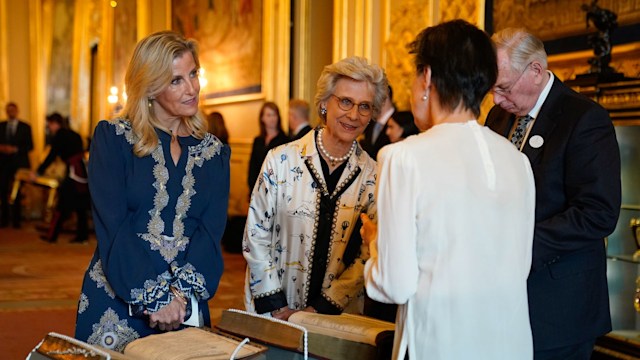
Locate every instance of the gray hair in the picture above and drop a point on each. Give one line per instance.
(521, 47)
(356, 68)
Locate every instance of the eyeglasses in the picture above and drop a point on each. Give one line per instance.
(346, 104)
(507, 91)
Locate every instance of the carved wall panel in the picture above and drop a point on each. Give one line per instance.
(554, 19)
(625, 59)
(459, 9)
(407, 19)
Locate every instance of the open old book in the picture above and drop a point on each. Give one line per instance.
(344, 336)
(186, 344)
(191, 344)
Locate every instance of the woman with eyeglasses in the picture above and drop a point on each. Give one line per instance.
(302, 241)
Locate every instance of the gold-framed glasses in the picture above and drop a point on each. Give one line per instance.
(346, 104)
(505, 91)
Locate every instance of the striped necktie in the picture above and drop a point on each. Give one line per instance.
(521, 130)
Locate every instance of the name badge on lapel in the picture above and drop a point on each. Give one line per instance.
(536, 141)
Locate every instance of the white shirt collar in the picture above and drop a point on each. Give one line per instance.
(300, 127)
(384, 117)
(543, 96)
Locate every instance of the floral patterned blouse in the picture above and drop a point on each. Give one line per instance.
(288, 205)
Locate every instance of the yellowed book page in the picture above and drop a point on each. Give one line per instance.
(189, 344)
(345, 326)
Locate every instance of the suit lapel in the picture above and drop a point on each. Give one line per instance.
(546, 121)
(382, 139)
(500, 121)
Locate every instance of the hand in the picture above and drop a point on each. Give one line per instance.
(283, 313)
(33, 176)
(369, 230)
(8, 149)
(11, 149)
(169, 317)
(310, 309)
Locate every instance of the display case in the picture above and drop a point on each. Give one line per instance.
(622, 100)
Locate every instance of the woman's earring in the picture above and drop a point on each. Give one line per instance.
(425, 97)
(323, 111)
(150, 101)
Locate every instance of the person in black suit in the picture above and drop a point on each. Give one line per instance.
(15, 144)
(298, 119)
(375, 136)
(73, 193)
(572, 147)
(271, 135)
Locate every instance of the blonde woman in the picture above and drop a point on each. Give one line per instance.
(158, 258)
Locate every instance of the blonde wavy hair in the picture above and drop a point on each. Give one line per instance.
(356, 68)
(149, 72)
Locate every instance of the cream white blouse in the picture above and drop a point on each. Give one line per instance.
(455, 232)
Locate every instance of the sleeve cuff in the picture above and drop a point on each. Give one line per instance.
(323, 306)
(269, 303)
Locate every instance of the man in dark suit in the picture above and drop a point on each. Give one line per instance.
(574, 154)
(298, 119)
(375, 135)
(15, 144)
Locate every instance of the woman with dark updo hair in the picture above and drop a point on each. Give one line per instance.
(456, 205)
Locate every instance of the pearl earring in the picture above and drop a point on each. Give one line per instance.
(425, 97)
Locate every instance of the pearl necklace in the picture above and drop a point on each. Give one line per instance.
(332, 159)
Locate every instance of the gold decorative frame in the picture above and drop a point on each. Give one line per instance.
(275, 57)
(229, 35)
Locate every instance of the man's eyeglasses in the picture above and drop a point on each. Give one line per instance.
(346, 104)
(507, 91)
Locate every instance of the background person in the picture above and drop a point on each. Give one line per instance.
(375, 136)
(298, 119)
(271, 135)
(15, 144)
(455, 213)
(158, 242)
(73, 192)
(572, 147)
(301, 242)
(217, 126)
(400, 126)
